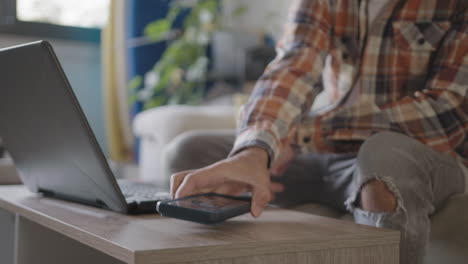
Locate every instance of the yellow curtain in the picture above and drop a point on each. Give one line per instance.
(118, 125)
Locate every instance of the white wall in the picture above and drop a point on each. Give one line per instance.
(81, 62)
(262, 15)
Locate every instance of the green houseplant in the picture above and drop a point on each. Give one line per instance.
(180, 76)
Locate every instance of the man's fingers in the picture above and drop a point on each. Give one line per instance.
(232, 178)
(176, 181)
(199, 180)
(232, 188)
(261, 197)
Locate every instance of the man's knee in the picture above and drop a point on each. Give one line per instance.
(196, 149)
(376, 197)
(181, 149)
(385, 163)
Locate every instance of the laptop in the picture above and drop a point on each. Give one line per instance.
(46, 133)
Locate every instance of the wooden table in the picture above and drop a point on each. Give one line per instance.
(55, 231)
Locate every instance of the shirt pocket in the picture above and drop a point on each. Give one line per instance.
(419, 37)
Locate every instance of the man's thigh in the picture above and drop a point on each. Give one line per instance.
(320, 178)
(411, 169)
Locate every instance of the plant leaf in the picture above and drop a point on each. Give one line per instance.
(239, 11)
(158, 29)
(135, 83)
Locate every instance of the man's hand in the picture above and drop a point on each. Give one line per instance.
(246, 171)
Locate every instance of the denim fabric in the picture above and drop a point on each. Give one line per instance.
(420, 178)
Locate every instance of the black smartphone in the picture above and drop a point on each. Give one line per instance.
(209, 208)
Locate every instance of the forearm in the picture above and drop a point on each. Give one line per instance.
(257, 154)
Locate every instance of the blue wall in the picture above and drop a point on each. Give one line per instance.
(142, 58)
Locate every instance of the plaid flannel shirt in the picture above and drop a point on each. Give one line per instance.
(407, 72)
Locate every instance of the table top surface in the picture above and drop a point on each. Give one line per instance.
(131, 238)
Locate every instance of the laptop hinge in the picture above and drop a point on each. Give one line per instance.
(96, 203)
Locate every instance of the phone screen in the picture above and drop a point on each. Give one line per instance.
(209, 203)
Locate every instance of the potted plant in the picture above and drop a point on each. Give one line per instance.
(180, 76)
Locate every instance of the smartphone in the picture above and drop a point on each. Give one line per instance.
(209, 208)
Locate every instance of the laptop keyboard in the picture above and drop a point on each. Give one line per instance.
(134, 191)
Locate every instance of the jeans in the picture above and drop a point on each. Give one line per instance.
(420, 178)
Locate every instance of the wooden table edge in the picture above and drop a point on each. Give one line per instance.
(263, 248)
(108, 247)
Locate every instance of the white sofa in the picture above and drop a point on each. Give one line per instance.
(8, 173)
(158, 127)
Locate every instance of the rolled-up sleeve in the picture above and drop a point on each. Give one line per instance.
(287, 89)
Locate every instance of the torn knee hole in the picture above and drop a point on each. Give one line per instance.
(375, 196)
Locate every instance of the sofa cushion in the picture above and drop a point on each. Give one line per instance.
(166, 122)
(449, 236)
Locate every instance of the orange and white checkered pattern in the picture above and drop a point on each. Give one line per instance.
(406, 72)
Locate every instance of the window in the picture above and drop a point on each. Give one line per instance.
(82, 13)
(66, 19)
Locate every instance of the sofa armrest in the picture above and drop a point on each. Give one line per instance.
(449, 231)
(158, 127)
(8, 173)
(166, 122)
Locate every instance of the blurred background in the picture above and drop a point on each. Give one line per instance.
(147, 71)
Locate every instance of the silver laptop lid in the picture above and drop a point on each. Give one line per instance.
(45, 131)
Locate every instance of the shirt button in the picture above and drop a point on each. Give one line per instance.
(307, 139)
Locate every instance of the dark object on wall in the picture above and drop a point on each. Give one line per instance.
(257, 60)
(2, 149)
(7, 12)
(229, 51)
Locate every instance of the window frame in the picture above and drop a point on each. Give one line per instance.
(9, 24)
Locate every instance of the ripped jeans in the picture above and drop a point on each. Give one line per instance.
(421, 180)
